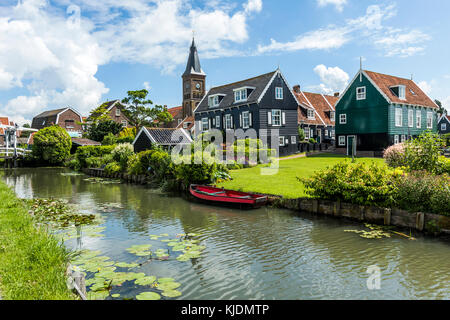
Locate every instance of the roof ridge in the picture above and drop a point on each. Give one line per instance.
(388, 75)
(253, 78)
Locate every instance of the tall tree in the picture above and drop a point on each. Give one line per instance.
(140, 111)
(441, 110)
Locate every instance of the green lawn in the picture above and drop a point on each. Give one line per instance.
(32, 262)
(285, 182)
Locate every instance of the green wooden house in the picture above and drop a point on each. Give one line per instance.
(378, 110)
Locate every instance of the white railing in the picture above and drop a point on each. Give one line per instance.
(9, 152)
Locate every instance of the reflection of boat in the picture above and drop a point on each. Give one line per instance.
(227, 197)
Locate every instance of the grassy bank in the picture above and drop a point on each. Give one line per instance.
(32, 263)
(285, 182)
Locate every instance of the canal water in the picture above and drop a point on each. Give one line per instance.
(259, 254)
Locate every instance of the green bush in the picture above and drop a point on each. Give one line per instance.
(359, 184)
(113, 168)
(312, 140)
(423, 192)
(423, 153)
(128, 139)
(301, 134)
(443, 165)
(98, 131)
(84, 153)
(135, 166)
(109, 140)
(121, 153)
(52, 145)
(94, 162)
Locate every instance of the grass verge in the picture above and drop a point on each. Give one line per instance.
(32, 262)
(284, 182)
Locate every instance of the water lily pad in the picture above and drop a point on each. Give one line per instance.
(116, 295)
(171, 293)
(140, 250)
(169, 286)
(126, 265)
(165, 280)
(148, 296)
(98, 295)
(145, 281)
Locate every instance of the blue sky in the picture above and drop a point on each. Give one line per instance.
(78, 53)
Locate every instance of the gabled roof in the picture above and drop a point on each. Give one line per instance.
(163, 136)
(383, 83)
(190, 121)
(322, 105)
(444, 117)
(176, 112)
(260, 83)
(193, 65)
(50, 113)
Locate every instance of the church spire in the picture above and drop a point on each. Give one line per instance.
(193, 65)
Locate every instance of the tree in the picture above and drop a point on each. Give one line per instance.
(441, 110)
(25, 134)
(99, 114)
(139, 110)
(98, 130)
(52, 145)
(301, 134)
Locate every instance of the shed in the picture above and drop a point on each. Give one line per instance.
(165, 137)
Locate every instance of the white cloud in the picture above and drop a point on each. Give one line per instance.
(339, 4)
(147, 86)
(323, 39)
(253, 6)
(368, 29)
(333, 79)
(55, 54)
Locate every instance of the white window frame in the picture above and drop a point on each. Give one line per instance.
(342, 141)
(279, 94)
(276, 116)
(399, 117)
(419, 119)
(124, 123)
(205, 124)
(228, 122)
(240, 95)
(333, 133)
(443, 126)
(214, 101)
(429, 120)
(403, 138)
(282, 142)
(333, 116)
(326, 133)
(402, 92)
(293, 140)
(343, 118)
(117, 112)
(396, 139)
(361, 93)
(307, 133)
(245, 118)
(411, 118)
(218, 121)
(311, 114)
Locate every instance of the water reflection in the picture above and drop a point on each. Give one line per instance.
(261, 254)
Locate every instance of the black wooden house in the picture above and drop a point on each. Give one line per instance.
(262, 103)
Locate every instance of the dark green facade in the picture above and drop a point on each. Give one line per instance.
(372, 121)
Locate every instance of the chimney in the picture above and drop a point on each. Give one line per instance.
(337, 94)
(297, 88)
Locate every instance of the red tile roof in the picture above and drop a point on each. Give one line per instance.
(176, 112)
(191, 121)
(321, 104)
(413, 94)
(4, 121)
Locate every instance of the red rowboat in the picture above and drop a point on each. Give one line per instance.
(222, 196)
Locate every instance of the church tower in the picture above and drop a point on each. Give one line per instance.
(193, 83)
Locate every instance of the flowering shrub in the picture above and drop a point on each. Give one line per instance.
(121, 153)
(423, 153)
(113, 168)
(394, 156)
(359, 184)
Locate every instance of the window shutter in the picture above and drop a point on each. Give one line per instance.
(232, 122)
(240, 120)
(214, 121)
(250, 118)
(209, 127)
(269, 118)
(284, 118)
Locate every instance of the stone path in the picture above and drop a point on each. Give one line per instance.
(303, 155)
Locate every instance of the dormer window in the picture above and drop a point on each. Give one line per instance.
(333, 116)
(399, 91)
(242, 94)
(311, 114)
(215, 100)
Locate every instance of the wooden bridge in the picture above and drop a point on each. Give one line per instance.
(12, 155)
